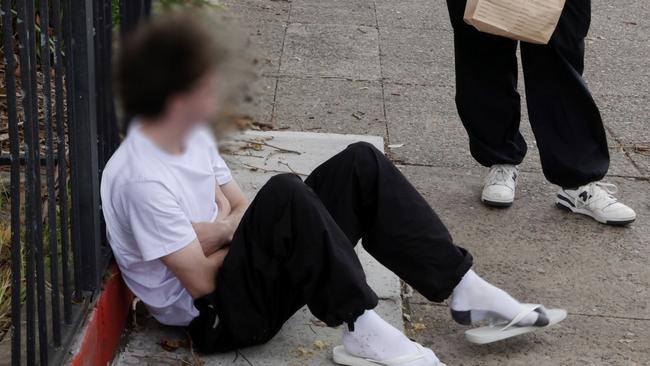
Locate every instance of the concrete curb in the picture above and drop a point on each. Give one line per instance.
(100, 336)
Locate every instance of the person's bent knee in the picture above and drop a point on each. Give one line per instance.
(283, 182)
(362, 146)
(284, 186)
(364, 153)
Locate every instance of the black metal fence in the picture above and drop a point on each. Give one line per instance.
(62, 129)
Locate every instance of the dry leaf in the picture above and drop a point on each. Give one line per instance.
(358, 115)
(418, 327)
(320, 345)
(303, 352)
(318, 323)
(171, 345)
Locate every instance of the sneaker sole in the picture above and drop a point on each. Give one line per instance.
(567, 207)
(498, 204)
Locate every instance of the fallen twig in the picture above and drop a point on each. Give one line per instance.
(265, 170)
(642, 148)
(280, 149)
(290, 168)
(247, 155)
(237, 354)
(196, 360)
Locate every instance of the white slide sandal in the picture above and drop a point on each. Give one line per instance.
(504, 330)
(342, 357)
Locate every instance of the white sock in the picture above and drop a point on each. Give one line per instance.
(375, 339)
(474, 299)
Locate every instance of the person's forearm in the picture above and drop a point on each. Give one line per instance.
(196, 271)
(213, 263)
(222, 230)
(214, 235)
(235, 216)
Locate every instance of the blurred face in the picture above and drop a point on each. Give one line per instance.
(198, 105)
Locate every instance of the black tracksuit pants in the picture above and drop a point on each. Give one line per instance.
(295, 246)
(563, 115)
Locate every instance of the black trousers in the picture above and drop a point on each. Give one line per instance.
(295, 246)
(563, 115)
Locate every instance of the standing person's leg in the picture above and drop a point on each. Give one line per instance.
(371, 199)
(488, 104)
(566, 121)
(564, 117)
(486, 91)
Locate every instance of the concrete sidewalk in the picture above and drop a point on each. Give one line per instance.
(385, 68)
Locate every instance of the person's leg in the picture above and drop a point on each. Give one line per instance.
(371, 200)
(486, 92)
(567, 123)
(564, 117)
(287, 252)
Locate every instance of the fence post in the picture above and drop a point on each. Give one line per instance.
(132, 12)
(84, 167)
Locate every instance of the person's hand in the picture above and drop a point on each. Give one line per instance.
(214, 235)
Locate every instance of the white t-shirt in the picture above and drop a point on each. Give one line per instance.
(149, 200)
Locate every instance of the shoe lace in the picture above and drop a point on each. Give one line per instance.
(596, 192)
(498, 175)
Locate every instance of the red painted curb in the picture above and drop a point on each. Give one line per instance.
(101, 334)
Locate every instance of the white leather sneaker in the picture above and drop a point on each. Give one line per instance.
(500, 185)
(597, 201)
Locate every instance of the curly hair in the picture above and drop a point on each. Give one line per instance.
(164, 57)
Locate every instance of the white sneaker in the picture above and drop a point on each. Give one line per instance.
(597, 201)
(500, 185)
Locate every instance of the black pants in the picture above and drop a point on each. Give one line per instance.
(564, 117)
(295, 246)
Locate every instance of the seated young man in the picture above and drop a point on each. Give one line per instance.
(194, 250)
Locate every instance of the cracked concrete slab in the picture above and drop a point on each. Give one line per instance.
(579, 340)
(412, 14)
(618, 65)
(418, 115)
(623, 19)
(542, 254)
(254, 11)
(417, 57)
(330, 105)
(350, 12)
(326, 50)
(255, 100)
(265, 41)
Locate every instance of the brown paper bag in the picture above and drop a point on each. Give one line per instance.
(531, 21)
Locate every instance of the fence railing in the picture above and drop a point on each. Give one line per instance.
(62, 128)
